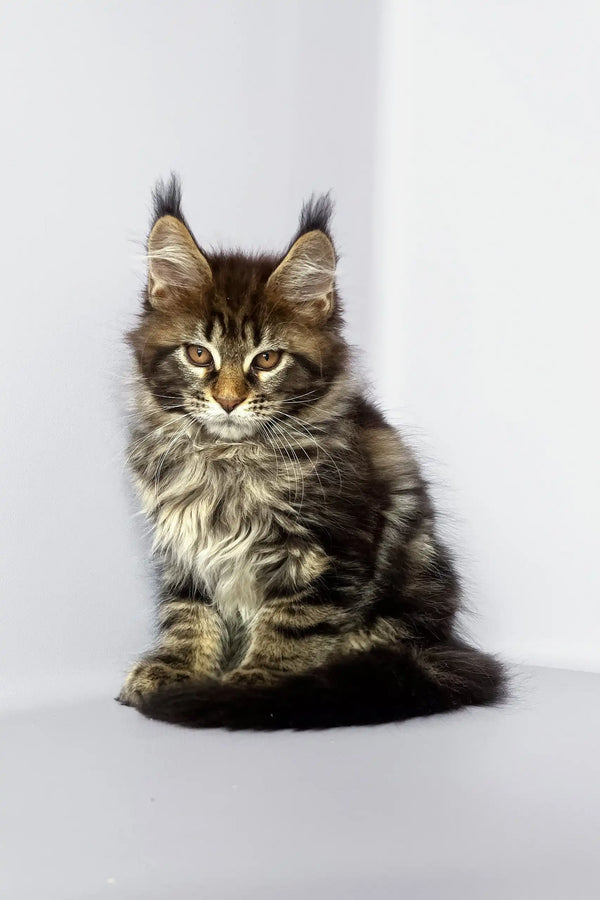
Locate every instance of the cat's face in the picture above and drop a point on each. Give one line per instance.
(239, 345)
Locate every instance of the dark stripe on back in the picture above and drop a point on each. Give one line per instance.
(307, 631)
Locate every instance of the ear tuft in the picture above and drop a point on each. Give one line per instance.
(166, 199)
(315, 215)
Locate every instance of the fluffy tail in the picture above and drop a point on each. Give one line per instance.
(382, 685)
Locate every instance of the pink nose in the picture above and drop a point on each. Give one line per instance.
(229, 403)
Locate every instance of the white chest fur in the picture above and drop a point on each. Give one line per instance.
(216, 521)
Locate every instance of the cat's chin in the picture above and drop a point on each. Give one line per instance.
(228, 429)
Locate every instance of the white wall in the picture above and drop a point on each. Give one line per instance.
(480, 319)
(256, 105)
(488, 204)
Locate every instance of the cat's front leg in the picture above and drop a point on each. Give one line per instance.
(190, 646)
(292, 634)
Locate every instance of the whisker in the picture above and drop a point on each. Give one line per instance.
(297, 467)
(283, 444)
(307, 431)
(161, 463)
(312, 462)
(263, 429)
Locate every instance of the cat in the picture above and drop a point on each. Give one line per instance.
(303, 584)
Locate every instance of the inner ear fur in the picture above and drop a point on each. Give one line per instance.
(306, 275)
(175, 264)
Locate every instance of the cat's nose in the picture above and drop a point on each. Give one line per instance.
(229, 403)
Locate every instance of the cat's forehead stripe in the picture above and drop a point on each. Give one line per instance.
(222, 326)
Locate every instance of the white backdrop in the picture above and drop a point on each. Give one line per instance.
(256, 108)
(489, 221)
(461, 142)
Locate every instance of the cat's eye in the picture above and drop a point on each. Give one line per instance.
(199, 356)
(266, 360)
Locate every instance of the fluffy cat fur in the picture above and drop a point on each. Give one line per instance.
(303, 584)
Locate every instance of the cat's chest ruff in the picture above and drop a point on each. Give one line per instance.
(216, 521)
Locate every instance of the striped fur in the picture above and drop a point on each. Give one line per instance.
(303, 584)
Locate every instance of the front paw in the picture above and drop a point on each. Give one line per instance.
(147, 676)
(251, 676)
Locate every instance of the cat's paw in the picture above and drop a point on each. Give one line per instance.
(146, 677)
(251, 676)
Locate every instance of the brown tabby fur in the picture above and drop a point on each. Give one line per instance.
(303, 584)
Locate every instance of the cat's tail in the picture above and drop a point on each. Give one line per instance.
(382, 685)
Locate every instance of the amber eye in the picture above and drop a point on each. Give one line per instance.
(266, 360)
(200, 356)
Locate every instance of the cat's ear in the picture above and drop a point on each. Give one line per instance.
(306, 275)
(176, 267)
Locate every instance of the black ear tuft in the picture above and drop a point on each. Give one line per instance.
(166, 199)
(315, 216)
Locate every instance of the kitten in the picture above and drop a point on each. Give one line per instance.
(303, 585)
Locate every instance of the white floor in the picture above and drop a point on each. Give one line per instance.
(97, 802)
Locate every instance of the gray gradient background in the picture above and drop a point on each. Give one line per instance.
(461, 142)
(102, 98)
(478, 805)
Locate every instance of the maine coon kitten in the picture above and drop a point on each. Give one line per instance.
(303, 585)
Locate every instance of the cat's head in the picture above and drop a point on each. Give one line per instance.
(234, 342)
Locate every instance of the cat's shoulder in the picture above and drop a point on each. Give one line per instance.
(385, 448)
